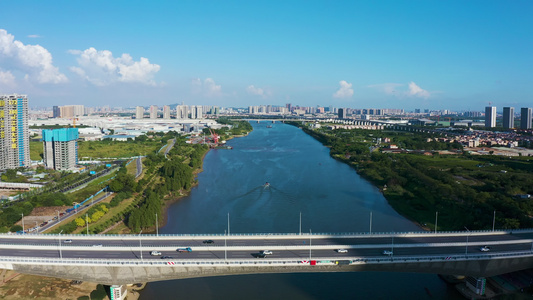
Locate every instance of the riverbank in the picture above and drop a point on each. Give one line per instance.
(169, 202)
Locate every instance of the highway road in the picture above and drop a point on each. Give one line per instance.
(283, 247)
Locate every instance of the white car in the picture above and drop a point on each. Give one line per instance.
(67, 241)
(484, 249)
(155, 253)
(97, 245)
(342, 251)
(266, 252)
(387, 252)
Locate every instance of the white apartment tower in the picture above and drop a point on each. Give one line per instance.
(14, 136)
(490, 116)
(182, 112)
(166, 112)
(139, 113)
(196, 112)
(153, 111)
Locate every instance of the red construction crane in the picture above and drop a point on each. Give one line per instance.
(214, 135)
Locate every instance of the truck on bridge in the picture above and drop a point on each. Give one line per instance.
(188, 249)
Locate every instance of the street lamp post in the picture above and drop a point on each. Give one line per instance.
(37, 226)
(87, 222)
(156, 226)
(493, 220)
(228, 225)
(466, 248)
(22, 223)
(436, 220)
(370, 222)
(59, 242)
(225, 246)
(310, 244)
(58, 217)
(140, 245)
(300, 223)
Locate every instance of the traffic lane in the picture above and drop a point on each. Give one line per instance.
(218, 241)
(244, 254)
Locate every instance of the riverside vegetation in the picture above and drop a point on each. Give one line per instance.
(136, 202)
(464, 189)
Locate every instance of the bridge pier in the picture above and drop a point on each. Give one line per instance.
(118, 292)
(476, 284)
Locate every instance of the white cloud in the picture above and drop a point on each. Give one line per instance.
(34, 36)
(102, 68)
(252, 90)
(207, 88)
(345, 90)
(388, 88)
(33, 60)
(415, 90)
(6, 80)
(399, 90)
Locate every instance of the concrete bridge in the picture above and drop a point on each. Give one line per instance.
(121, 259)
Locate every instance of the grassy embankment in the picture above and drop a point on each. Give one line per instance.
(464, 189)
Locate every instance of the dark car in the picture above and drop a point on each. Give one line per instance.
(259, 255)
(208, 242)
(166, 257)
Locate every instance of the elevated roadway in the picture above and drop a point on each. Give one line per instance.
(110, 259)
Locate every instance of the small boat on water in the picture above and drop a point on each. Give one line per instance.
(266, 185)
(269, 126)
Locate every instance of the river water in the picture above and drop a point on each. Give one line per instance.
(303, 179)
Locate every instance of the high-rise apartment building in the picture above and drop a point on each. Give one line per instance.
(196, 112)
(60, 148)
(181, 112)
(153, 111)
(14, 135)
(139, 113)
(490, 116)
(342, 113)
(166, 112)
(56, 112)
(525, 118)
(508, 117)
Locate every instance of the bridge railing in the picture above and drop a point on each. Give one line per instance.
(316, 235)
(259, 261)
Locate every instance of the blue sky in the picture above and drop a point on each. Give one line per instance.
(456, 55)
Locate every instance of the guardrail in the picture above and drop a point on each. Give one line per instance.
(146, 245)
(259, 261)
(275, 235)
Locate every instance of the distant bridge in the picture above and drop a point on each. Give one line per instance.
(121, 259)
(19, 186)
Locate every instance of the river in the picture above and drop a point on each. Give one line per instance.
(304, 179)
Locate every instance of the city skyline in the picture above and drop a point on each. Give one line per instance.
(398, 54)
